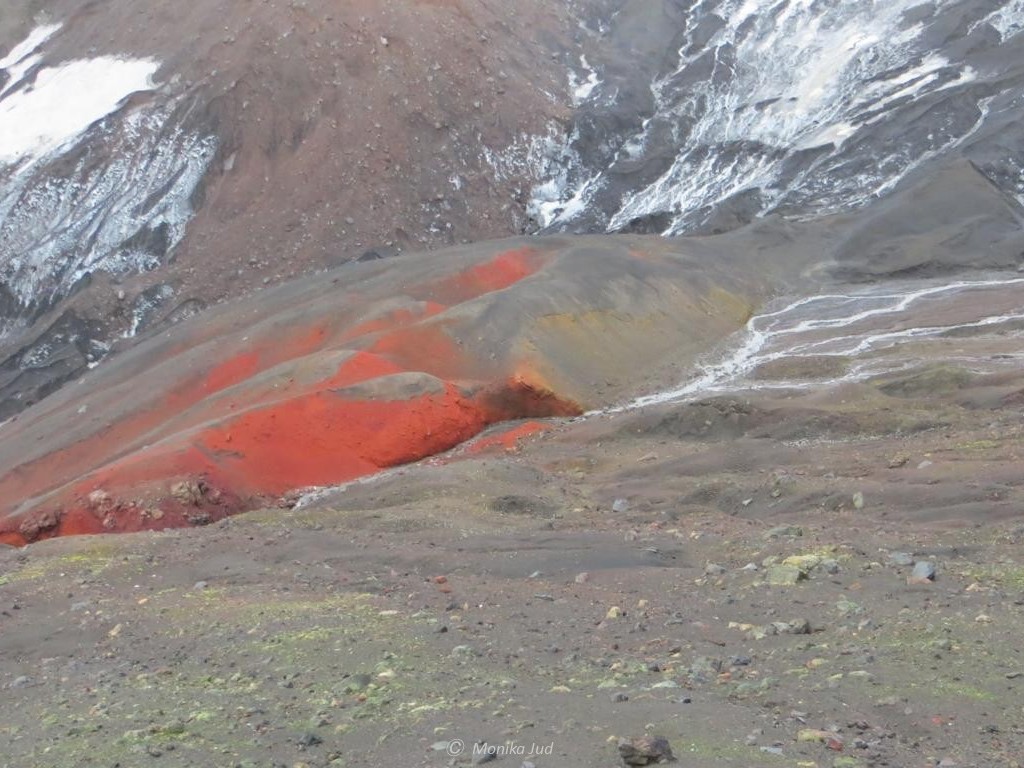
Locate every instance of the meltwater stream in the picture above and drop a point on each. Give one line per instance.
(977, 324)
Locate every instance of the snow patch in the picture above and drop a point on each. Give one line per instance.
(64, 101)
(530, 154)
(1008, 20)
(581, 89)
(122, 214)
(21, 59)
(145, 307)
(86, 184)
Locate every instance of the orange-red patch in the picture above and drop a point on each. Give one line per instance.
(276, 434)
(507, 439)
(502, 271)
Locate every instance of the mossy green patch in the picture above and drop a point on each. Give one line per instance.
(977, 445)
(91, 560)
(928, 380)
(691, 750)
(803, 368)
(1005, 576)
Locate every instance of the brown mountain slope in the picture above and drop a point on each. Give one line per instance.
(341, 129)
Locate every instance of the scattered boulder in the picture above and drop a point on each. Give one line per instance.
(795, 627)
(704, 669)
(812, 734)
(484, 753)
(308, 740)
(38, 522)
(357, 683)
(803, 562)
(100, 501)
(848, 607)
(189, 492)
(828, 738)
(785, 575)
(785, 532)
(645, 750)
(899, 460)
(903, 559)
(923, 573)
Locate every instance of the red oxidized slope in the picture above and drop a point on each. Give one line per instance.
(506, 439)
(328, 378)
(304, 403)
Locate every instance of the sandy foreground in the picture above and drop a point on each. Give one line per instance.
(734, 574)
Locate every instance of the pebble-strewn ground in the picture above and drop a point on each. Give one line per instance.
(732, 575)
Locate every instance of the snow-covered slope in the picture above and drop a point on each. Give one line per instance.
(90, 179)
(803, 107)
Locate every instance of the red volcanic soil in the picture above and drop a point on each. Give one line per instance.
(262, 443)
(319, 438)
(341, 375)
(508, 439)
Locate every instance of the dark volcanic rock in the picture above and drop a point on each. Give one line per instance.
(58, 353)
(646, 750)
(956, 218)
